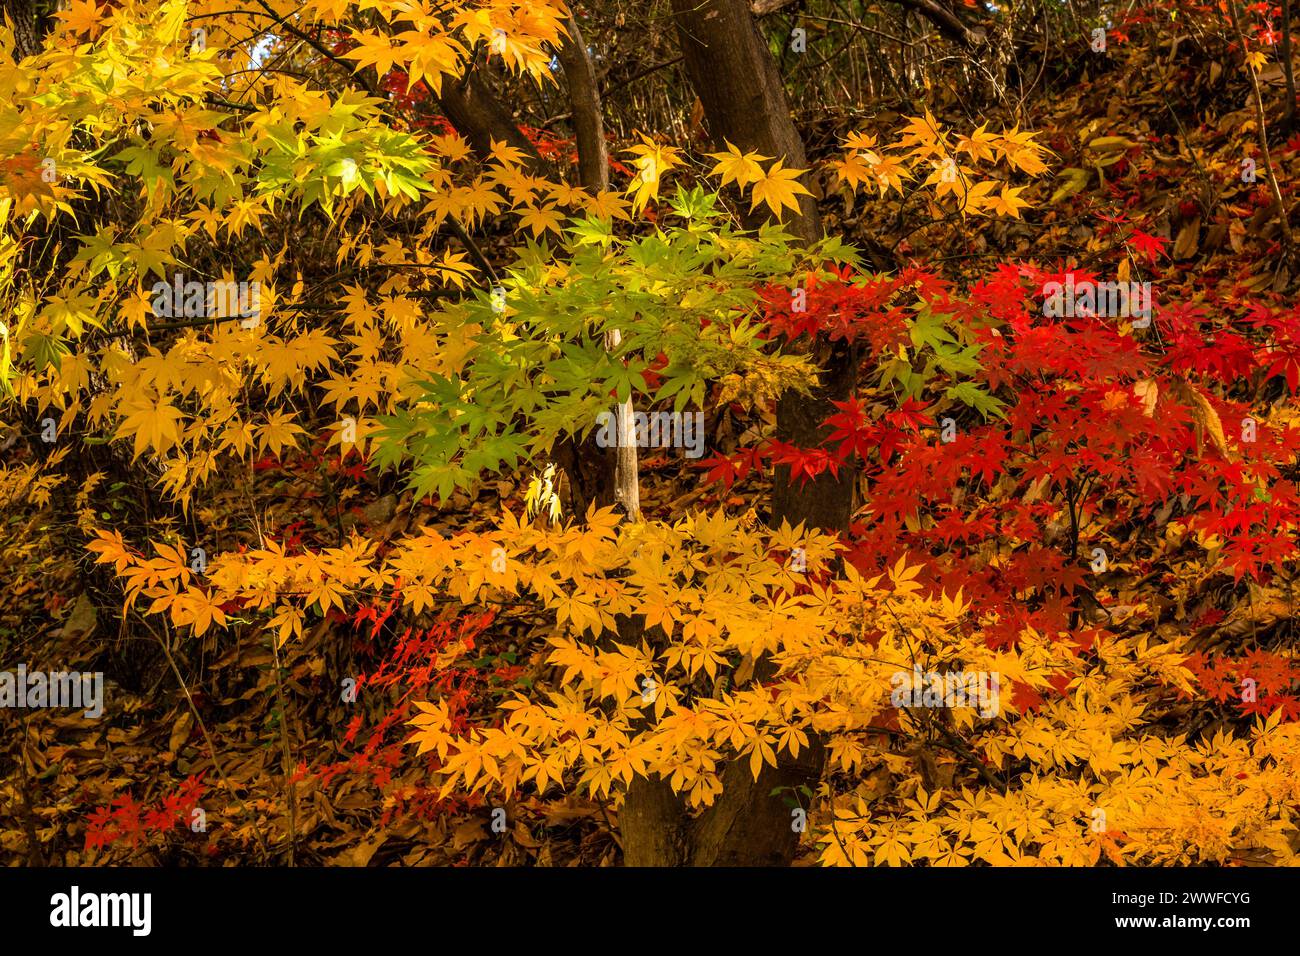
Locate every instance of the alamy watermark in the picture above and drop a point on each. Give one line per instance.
(652, 430)
(75, 909)
(1102, 299)
(917, 688)
(218, 300)
(30, 689)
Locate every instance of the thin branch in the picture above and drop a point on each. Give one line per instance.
(212, 747)
(1283, 213)
(320, 48)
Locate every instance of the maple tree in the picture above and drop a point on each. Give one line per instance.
(367, 536)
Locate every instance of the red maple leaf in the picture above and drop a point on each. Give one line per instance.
(1149, 245)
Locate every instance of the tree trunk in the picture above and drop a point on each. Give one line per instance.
(483, 119)
(750, 823)
(653, 818)
(744, 101)
(593, 172)
(588, 118)
(30, 26)
(736, 79)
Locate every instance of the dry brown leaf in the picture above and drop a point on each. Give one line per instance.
(1205, 417)
(180, 731)
(1148, 392)
(1185, 245)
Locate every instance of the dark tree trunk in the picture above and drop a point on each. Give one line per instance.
(750, 823)
(736, 79)
(30, 26)
(482, 118)
(745, 104)
(825, 502)
(588, 118)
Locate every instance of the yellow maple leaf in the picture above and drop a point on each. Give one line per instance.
(429, 57)
(209, 219)
(112, 549)
(779, 188)
(82, 16)
(924, 135)
(1008, 203)
(737, 167)
(1027, 161)
(948, 177)
(979, 145)
(652, 161)
(373, 50)
(287, 622)
(278, 432)
(606, 205)
(977, 196)
(861, 142)
(1021, 151)
(889, 172)
(196, 609)
(507, 155)
(854, 169)
(155, 424)
(540, 220)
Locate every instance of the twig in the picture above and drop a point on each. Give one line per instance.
(475, 252)
(35, 857)
(1282, 211)
(212, 747)
(320, 48)
(286, 755)
(218, 101)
